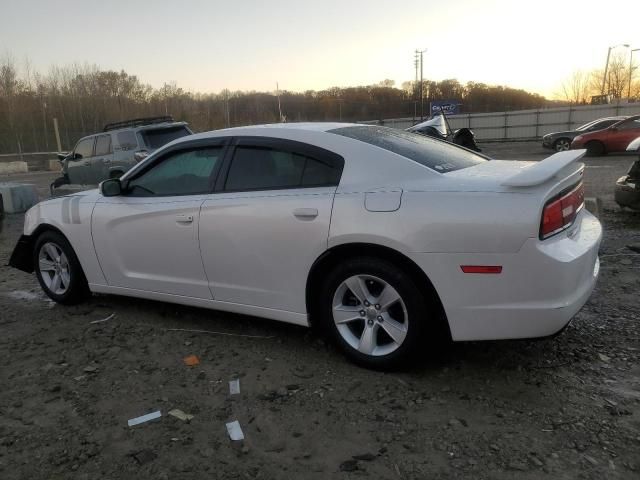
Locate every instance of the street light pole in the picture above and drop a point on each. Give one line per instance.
(631, 70)
(421, 85)
(606, 67)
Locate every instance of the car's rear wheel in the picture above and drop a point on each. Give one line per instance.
(595, 147)
(58, 269)
(562, 145)
(374, 311)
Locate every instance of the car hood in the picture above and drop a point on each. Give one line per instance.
(567, 134)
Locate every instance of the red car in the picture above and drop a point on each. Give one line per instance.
(612, 139)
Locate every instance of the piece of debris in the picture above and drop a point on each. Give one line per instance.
(180, 415)
(349, 466)
(603, 357)
(144, 418)
(144, 456)
(113, 315)
(634, 247)
(234, 387)
(191, 360)
(234, 430)
(215, 333)
(90, 369)
(365, 457)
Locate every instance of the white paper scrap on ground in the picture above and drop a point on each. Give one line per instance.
(235, 432)
(185, 417)
(105, 319)
(144, 418)
(234, 386)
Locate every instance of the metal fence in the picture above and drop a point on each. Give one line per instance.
(526, 124)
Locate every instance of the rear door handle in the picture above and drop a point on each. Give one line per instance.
(184, 219)
(305, 213)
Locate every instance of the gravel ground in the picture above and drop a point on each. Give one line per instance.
(565, 407)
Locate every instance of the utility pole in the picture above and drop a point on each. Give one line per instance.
(415, 85)
(631, 71)
(421, 52)
(279, 109)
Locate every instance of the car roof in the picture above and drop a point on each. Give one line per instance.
(272, 129)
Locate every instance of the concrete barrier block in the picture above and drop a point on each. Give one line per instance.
(14, 167)
(18, 197)
(54, 165)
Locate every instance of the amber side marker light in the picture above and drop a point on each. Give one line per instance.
(481, 268)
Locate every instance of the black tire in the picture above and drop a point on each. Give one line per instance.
(562, 144)
(595, 147)
(417, 311)
(77, 289)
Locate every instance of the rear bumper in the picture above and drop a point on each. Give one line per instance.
(540, 289)
(22, 255)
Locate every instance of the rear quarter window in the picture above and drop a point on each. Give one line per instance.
(157, 137)
(437, 155)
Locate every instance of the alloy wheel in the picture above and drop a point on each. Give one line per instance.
(563, 145)
(370, 315)
(54, 268)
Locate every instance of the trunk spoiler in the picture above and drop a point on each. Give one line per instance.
(544, 170)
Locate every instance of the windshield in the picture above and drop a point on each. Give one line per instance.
(435, 154)
(157, 137)
(605, 123)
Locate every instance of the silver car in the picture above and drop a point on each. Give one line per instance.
(121, 145)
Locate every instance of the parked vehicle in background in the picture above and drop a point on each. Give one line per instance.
(438, 127)
(561, 141)
(627, 193)
(119, 147)
(615, 138)
(392, 242)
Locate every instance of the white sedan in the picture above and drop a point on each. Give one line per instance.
(388, 240)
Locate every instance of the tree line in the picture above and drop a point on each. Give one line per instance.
(84, 98)
(621, 81)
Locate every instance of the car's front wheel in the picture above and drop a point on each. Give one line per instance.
(562, 145)
(58, 269)
(374, 311)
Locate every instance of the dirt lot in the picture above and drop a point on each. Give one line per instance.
(566, 407)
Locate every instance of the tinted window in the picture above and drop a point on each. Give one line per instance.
(256, 168)
(157, 137)
(127, 140)
(602, 125)
(630, 124)
(103, 145)
(84, 148)
(187, 172)
(437, 155)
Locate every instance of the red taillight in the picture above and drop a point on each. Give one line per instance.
(560, 212)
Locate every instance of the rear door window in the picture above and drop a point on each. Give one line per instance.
(157, 137)
(103, 145)
(266, 168)
(435, 154)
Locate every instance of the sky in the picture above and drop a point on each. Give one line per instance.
(208, 45)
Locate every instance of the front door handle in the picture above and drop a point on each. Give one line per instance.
(305, 213)
(184, 219)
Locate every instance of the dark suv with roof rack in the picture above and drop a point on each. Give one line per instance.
(121, 145)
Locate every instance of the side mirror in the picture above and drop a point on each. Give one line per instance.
(111, 187)
(76, 156)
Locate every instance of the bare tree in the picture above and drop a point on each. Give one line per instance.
(576, 89)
